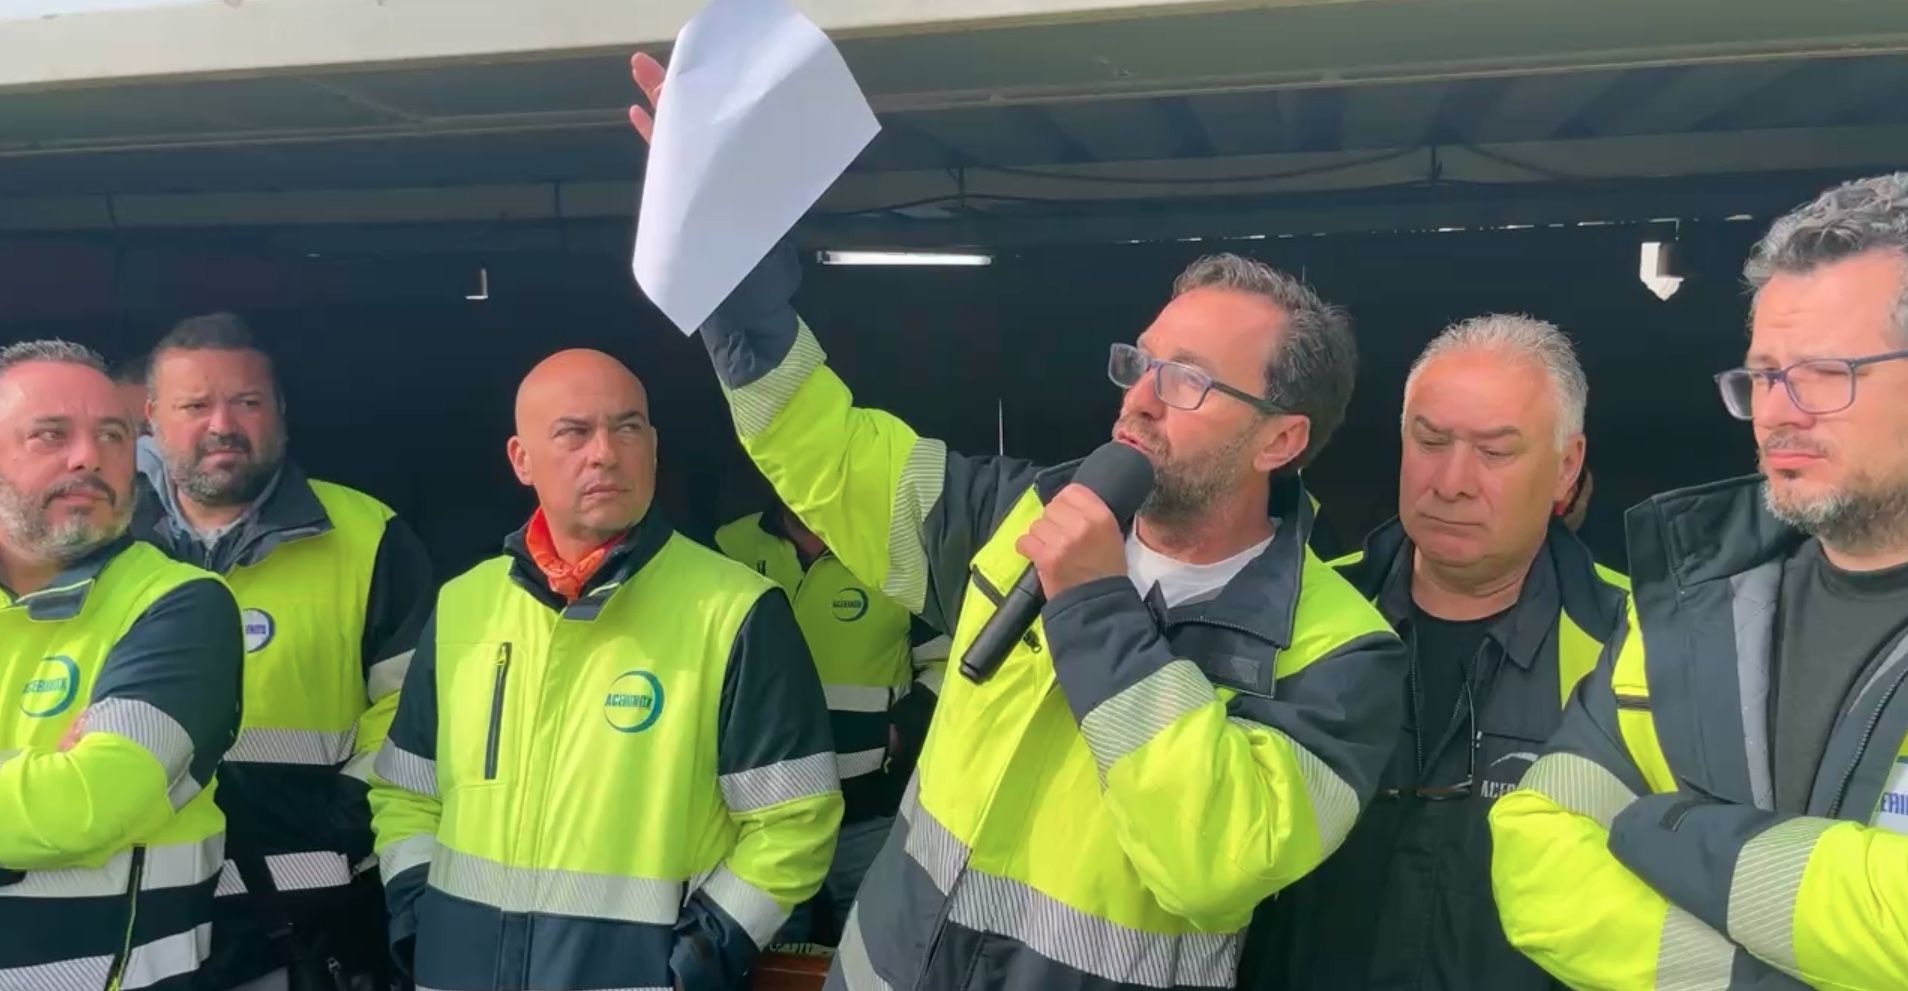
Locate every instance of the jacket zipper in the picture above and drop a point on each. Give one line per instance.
(496, 710)
(1868, 736)
(138, 875)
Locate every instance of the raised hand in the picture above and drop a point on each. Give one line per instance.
(648, 74)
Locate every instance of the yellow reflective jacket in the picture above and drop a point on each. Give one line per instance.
(332, 589)
(110, 841)
(1107, 810)
(859, 639)
(629, 790)
(1642, 849)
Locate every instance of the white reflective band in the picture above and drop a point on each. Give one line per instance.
(291, 746)
(387, 676)
(409, 852)
(932, 651)
(1131, 719)
(148, 964)
(931, 679)
(1057, 931)
(359, 767)
(786, 781)
(559, 892)
(858, 698)
(157, 733)
(860, 762)
(84, 974)
(1691, 955)
(406, 769)
(166, 957)
(755, 910)
(230, 883)
(175, 865)
(851, 960)
(308, 871)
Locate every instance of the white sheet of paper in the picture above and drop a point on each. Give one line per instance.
(759, 117)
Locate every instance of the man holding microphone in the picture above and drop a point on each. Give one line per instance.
(1201, 708)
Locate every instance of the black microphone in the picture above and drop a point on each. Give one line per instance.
(1122, 478)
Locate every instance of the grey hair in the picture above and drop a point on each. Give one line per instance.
(51, 349)
(1528, 337)
(1312, 371)
(1853, 218)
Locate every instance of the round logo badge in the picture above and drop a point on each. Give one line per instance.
(51, 688)
(259, 629)
(850, 604)
(634, 702)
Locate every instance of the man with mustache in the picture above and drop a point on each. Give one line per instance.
(1726, 802)
(1201, 709)
(611, 765)
(121, 674)
(1504, 612)
(333, 588)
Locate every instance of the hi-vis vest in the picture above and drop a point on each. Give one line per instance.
(139, 916)
(1006, 831)
(859, 639)
(303, 606)
(574, 801)
(1644, 848)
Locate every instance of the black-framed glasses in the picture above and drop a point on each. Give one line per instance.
(1462, 789)
(1818, 386)
(1176, 383)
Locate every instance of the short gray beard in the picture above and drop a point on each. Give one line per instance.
(23, 518)
(1853, 521)
(1185, 491)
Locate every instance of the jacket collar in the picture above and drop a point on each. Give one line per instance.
(1693, 536)
(628, 556)
(1562, 577)
(66, 595)
(1263, 599)
(287, 510)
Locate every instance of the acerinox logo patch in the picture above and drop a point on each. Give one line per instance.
(259, 629)
(850, 604)
(634, 702)
(51, 688)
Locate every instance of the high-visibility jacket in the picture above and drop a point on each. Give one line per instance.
(110, 846)
(1108, 808)
(1405, 903)
(630, 790)
(333, 589)
(1643, 850)
(859, 639)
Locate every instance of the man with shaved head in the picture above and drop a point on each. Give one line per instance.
(121, 674)
(611, 765)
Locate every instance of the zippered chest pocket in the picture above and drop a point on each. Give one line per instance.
(476, 720)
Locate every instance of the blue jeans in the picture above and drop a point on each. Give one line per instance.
(855, 851)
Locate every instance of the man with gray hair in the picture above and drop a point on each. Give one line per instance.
(121, 674)
(1503, 611)
(1726, 802)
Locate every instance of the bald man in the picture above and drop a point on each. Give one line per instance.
(611, 765)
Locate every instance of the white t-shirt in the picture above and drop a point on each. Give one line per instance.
(1178, 581)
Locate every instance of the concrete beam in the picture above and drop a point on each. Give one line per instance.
(209, 38)
(864, 201)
